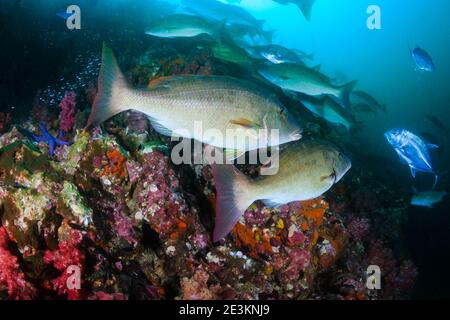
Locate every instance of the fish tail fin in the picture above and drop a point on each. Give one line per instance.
(306, 8)
(233, 198)
(260, 24)
(437, 177)
(345, 92)
(112, 88)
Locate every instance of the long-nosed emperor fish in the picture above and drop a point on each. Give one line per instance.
(306, 171)
(180, 105)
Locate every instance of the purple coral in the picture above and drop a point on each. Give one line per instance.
(68, 111)
(359, 228)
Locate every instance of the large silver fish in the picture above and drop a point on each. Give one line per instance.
(306, 171)
(181, 26)
(302, 79)
(178, 105)
(331, 111)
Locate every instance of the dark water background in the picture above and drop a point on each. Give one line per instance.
(37, 50)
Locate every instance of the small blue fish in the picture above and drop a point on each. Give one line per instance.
(423, 60)
(427, 199)
(64, 15)
(413, 151)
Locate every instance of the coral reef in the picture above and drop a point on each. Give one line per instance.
(109, 217)
(68, 111)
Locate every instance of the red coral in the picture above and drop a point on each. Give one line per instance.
(398, 276)
(67, 256)
(11, 277)
(101, 295)
(68, 111)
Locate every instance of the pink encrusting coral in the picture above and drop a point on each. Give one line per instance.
(69, 260)
(68, 111)
(12, 278)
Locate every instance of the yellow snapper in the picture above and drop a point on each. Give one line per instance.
(306, 171)
(176, 105)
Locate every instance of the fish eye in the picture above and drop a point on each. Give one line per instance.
(281, 111)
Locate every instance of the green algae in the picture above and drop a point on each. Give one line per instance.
(72, 205)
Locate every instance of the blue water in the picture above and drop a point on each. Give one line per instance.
(379, 59)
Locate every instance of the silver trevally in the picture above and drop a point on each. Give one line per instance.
(413, 151)
(306, 171)
(179, 105)
(304, 5)
(423, 60)
(328, 109)
(180, 25)
(302, 79)
(428, 198)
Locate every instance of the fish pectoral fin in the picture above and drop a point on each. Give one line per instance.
(331, 178)
(231, 155)
(159, 81)
(432, 146)
(246, 123)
